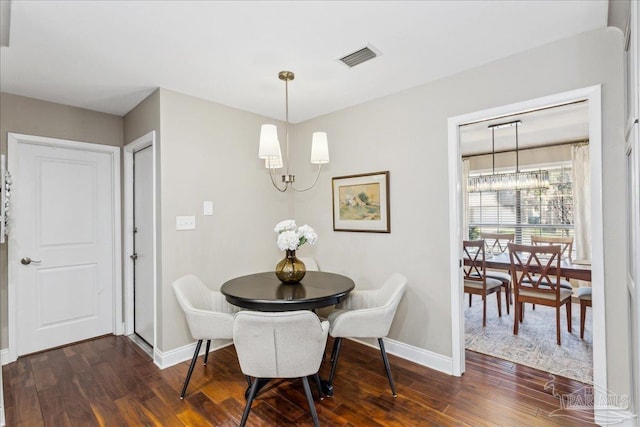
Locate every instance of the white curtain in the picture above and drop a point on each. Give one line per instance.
(465, 199)
(581, 201)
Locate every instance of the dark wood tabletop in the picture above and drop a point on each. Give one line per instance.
(265, 292)
(568, 269)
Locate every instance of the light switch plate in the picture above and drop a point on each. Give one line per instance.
(207, 207)
(185, 223)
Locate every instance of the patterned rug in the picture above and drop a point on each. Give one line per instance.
(535, 344)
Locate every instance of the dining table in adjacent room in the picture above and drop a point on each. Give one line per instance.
(579, 270)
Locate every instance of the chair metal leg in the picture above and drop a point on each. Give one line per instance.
(206, 353)
(247, 408)
(312, 406)
(193, 363)
(337, 343)
(327, 385)
(248, 380)
(387, 367)
(316, 378)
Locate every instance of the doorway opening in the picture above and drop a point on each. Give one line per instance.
(459, 231)
(549, 149)
(140, 266)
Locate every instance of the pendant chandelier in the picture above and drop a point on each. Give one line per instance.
(269, 148)
(530, 180)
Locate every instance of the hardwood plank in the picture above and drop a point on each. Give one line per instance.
(109, 381)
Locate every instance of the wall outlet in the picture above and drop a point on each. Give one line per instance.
(185, 223)
(207, 207)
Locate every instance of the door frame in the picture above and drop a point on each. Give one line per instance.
(13, 139)
(592, 94)
(148, 140)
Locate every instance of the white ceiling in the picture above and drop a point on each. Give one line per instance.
(109, 55)
(559, 124)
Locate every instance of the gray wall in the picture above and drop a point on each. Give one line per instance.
(209, 152)
(406, 133)
(30, 116)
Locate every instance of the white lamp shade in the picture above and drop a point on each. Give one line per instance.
(269, 144)
(319, 148)
(274, 162)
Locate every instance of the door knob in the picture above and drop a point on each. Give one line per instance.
(26, 261)
(134, 256)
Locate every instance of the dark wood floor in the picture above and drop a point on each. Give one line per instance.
(110, 382)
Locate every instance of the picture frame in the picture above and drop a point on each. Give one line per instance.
(361, 202)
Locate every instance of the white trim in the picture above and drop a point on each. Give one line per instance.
(419, 355)
(591, 94)
(411, 353)
(4, 357)
(143, 142)
(455, 251)
(12, 156)
(178, 355)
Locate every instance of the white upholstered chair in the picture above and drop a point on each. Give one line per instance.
(279, 345)
(208, 314)
(366, 314)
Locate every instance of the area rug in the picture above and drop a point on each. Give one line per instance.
(535, 344)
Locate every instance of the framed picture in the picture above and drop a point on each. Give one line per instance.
(361, 202)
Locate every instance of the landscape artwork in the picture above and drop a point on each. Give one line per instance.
(361, 202)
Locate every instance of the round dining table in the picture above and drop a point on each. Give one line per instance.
(265, 292)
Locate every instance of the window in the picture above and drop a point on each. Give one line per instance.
(547, 212)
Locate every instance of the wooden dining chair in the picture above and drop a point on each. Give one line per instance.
(536, 277)
(476, 281)
(566, 244)
(584, 295)
(496, 243)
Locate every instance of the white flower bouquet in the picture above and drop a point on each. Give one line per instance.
(291, 237)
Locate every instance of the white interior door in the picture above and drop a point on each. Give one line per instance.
(143, 243)
(64, 241)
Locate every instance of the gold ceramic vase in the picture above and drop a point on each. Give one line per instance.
(290, 269)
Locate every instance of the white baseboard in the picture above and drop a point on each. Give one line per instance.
(416, 355)
(178, 355)
(620, 418)
(4, 356)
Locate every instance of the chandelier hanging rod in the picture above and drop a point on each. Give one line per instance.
(512, 180)
(269, 148)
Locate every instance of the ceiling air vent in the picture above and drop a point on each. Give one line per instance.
(358, 57)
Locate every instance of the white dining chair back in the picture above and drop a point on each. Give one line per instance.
(366, 314)
(209, 316)
(279, 345)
